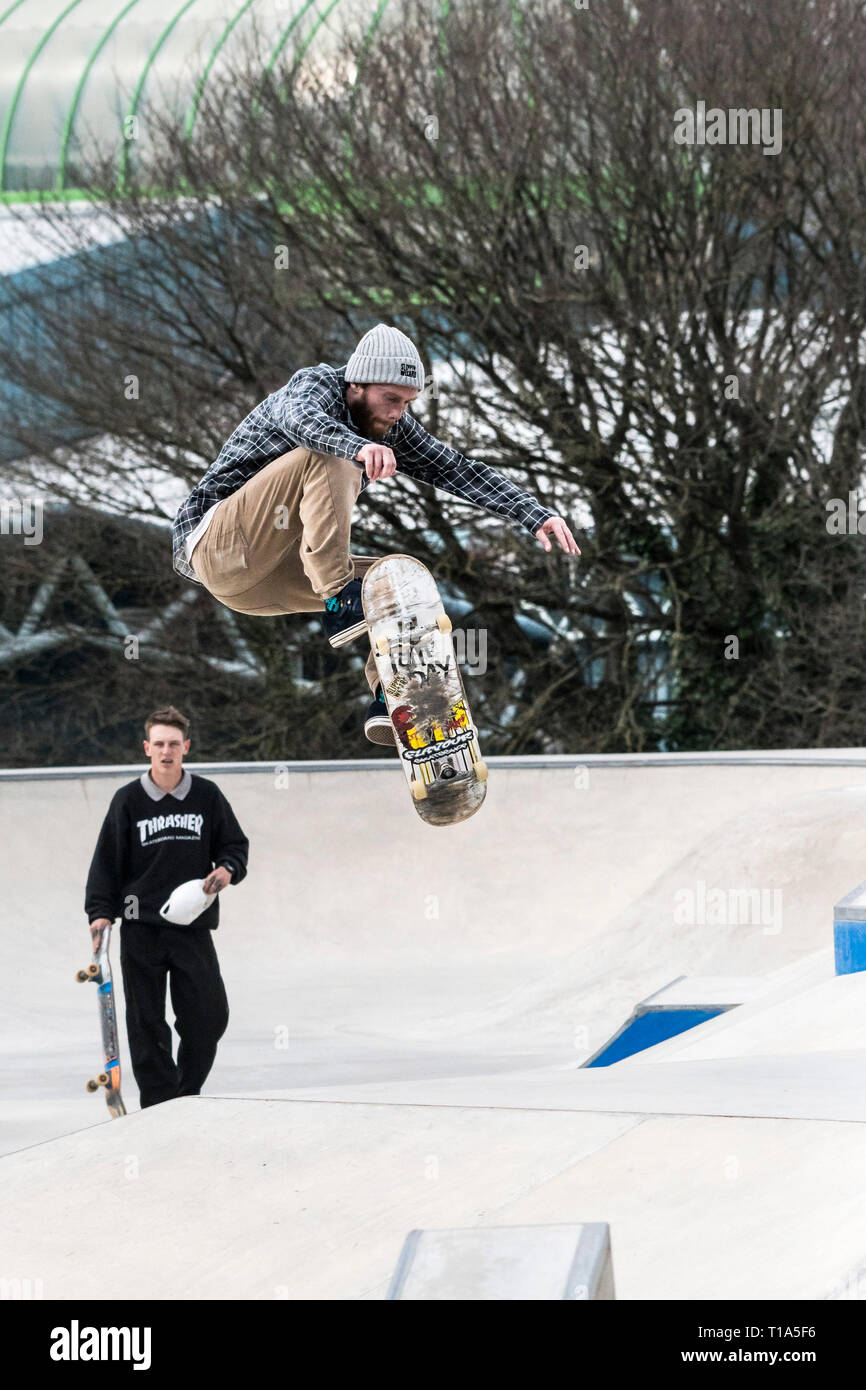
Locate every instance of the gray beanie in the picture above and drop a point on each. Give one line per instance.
(386, 355)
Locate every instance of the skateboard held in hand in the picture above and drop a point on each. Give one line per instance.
(100, 973)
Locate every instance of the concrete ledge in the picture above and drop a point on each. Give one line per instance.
(831, 757)
(796, 1086)
(569, 1263)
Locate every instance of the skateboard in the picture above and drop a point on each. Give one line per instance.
(410, 634)
(100, 973)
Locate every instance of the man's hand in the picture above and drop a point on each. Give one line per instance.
(378, 461)
(97, 929)
(217, 879)
(555, 528)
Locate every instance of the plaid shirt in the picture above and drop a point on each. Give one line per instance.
(310, 412)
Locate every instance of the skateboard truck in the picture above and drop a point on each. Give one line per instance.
(384, 644)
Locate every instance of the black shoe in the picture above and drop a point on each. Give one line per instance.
(377, 725)
(343, 619)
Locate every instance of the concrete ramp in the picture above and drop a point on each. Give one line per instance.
(411, 1009)
(271, 1199)
(829, 1016)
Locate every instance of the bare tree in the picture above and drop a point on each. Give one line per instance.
(660, 335)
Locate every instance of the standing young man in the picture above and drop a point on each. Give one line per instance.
(267, 529)
(163, 829)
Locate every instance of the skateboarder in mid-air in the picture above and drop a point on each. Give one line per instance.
(267, 529)
(162, 830)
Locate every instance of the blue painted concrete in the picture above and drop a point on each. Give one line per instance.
(647, 1029)
(849, 943)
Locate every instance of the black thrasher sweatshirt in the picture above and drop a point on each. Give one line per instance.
(151, 841)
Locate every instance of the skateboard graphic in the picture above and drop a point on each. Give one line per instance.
(410, 634)
(100, 973)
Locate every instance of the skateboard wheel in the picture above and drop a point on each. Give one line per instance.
(443, 622)
(383, 646)
(103, 1078)
(419, 791)
(93, 1085)
(480, 770)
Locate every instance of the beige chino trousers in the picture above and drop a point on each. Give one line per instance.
(280, 544)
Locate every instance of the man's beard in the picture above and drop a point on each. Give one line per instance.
(364, 421)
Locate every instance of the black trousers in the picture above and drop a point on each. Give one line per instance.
(185, 957)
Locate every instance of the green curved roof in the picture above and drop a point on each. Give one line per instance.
(75, 70)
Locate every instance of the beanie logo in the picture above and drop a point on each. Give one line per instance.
(408, 369)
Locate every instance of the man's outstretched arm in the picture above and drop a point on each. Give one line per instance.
(421, 456)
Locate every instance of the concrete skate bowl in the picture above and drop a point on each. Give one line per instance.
(367, 947)
(410, 1009)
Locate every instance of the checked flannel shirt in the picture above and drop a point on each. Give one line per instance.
(310, 412)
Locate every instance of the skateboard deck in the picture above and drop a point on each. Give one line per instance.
(100, 973)
(410, 634)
